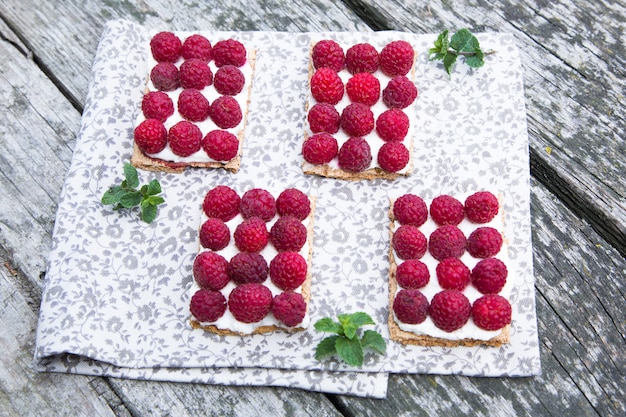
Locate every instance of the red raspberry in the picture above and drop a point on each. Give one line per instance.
(361, 57)
(250, 303)
(392, 125)
(363, 88)
(165, 47)
(409, 242)
(251, 235)
(481, 207)
(445, 209)
(355, 155)
(209, 270)
(157, 105)
(225, 112)
(151, 136)
(221, 202)
(328, 53)
(288, 270)
(323, 117)
(293, 202)
(229, 80)
(247, 267)
(393, 156)
(289, 308)
(446, 242)
(319, 149)
(450, 310)
(193, 106)
(207, 305)
(412, 274)
(258, 202)
(452, 274)
(484, 242)
(396, 58)
(410, 209)
(185, 138)
(195, 73)
(400, 92)
(491, 312)
(214, 234)
(229, 52)
(357, 119)
(165, 76)
(220, 145)
(410, 306)
(489, 275)
(288, 234)
(198, 47)
(326, 86)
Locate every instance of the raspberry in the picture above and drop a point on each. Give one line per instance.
(209, 270)
(157, 105)
(452, 274)
(489, 275)
(288, 234)
(484, 242)
(220, 145)
(229, 80)
(481, 207)
(392, 125)
(258, 202)
(251, 235)
(165, 76)
(396, 58)
(320, 148)
(195, 73)
(198, 47)
(410, 209)
(323, 117)
(491, 312)
(412, 274)
(229, 52)
(400, 92)
(363, 88)
(410, 306)
(361, 57)
(357, 119)
(293, 202)
(250, 303)
(450, 310)
(446, 242)
(355, 155)
(221, 202)
(288, 270)
(151, 136)
(326, 86)
(445, 209)
(165, 47)
(289, 308)
(185, 138)
(247, 267)
(409, 242)
(393, 156)
(214, 234)
(328, 53)
(207, 305)
(193, 106)
(225, 112)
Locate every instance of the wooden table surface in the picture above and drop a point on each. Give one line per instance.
(574, 64)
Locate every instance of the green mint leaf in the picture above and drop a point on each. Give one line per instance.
(132, 177)
(463, 41)
(148, 213)
(361, 319)
(130, 199)
(112, 195)
(373, 340)
(326, 347)
(441, 47)
(477, 60)
(155, 200)
(350, 350)
(154, 187)
(328, 325)
(448, 61)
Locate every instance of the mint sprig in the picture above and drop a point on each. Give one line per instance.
(463, 43)
(346, 342)
(126, 195)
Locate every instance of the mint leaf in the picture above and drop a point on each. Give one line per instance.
(112, 195)
(463, 43)
(477, 60)
(350, 350)
(361, 319)
(148, 213)
(154, 187)
(326, 347)
(373, 340)
(328, 325)
(130, 199)
(448, 61)
(132, 178)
